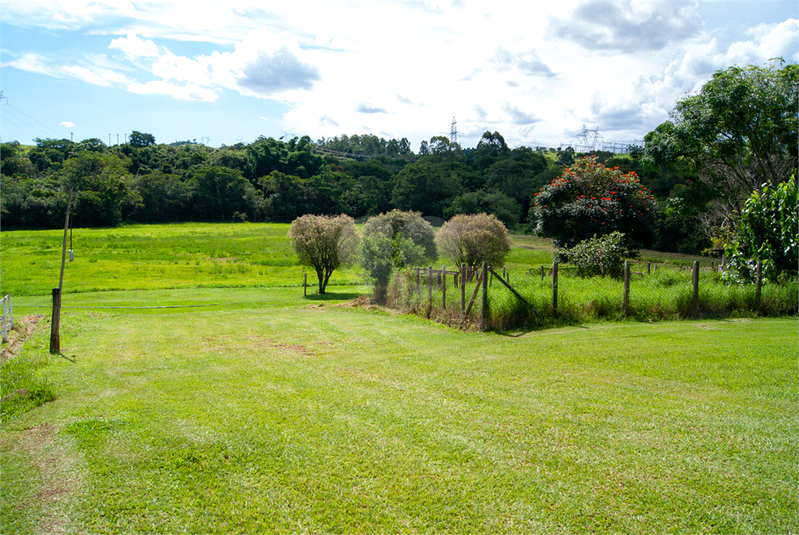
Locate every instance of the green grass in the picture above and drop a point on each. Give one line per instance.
(214, 401)
(291, 416)
(185, 255)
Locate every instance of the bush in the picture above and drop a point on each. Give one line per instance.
(324, 243)
(603, 256)
(767, 234)
(474, 239)
(395, 240)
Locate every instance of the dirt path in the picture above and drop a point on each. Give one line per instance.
(22, 330)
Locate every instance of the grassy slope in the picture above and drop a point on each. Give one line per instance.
(260, 411)
(189, 255)
(185, 255)
(291, 416)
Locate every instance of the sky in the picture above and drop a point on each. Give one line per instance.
(539, 73)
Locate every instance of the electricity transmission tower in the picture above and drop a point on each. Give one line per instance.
(588, 141)
(453, 131)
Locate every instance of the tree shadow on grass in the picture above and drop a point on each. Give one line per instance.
(346, 296)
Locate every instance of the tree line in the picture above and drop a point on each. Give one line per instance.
(696, 184)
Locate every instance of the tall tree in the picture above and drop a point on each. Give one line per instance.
(739, 130)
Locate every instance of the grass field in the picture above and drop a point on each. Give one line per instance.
(190, 255)
(253, 409)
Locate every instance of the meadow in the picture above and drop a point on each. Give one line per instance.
(235, 405)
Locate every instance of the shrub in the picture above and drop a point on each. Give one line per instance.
(766, 233)
(395, 240)
(602, 256)
(474, 239)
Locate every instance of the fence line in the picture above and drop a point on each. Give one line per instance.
(486, 275)
(8, 316)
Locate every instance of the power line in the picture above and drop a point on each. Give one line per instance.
(7, 113)
(32, 119)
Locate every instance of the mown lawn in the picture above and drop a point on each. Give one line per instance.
(199, 392)
(276, 413)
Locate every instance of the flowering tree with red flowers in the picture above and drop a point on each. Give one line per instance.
(589, 200)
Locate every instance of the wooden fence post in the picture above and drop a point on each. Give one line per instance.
(542, 272)
(305, 285)
(417, 280)
(430, 285)
(625, 302)
(444, 287)
(695, 281)
(554, 287)
(55, 327)
(463, 286)
(758, 283)
(484, 311)
(649, 268)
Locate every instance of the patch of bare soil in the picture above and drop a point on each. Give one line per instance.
(22, 330)
(61, 479)
(366, 303)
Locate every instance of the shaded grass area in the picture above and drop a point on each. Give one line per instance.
(301, 417)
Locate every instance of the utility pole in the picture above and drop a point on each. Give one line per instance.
(55, 325)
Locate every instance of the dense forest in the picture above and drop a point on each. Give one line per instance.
(275, 180)
(719, 146)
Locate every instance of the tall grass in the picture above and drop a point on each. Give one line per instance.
(665, 295)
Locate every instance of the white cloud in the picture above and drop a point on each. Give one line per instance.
(629, 25)
(532, 72)
(68, 124)
(101, 77)
(134, 46)
(186, 92)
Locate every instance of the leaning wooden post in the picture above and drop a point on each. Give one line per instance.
(625, 302)
(758, 283)
(695, 281)
(484, 311)
(463, 286)
(444, 287)
(55, 324)
(554, 287)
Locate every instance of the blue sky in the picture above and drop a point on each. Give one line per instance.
(224, 72)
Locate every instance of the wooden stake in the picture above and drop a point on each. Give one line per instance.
(695, 281)
(55, 325)
(758, 283)
(625, 302)
(463, 286)
(554, 287)
(444, 287)
(484, 311)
